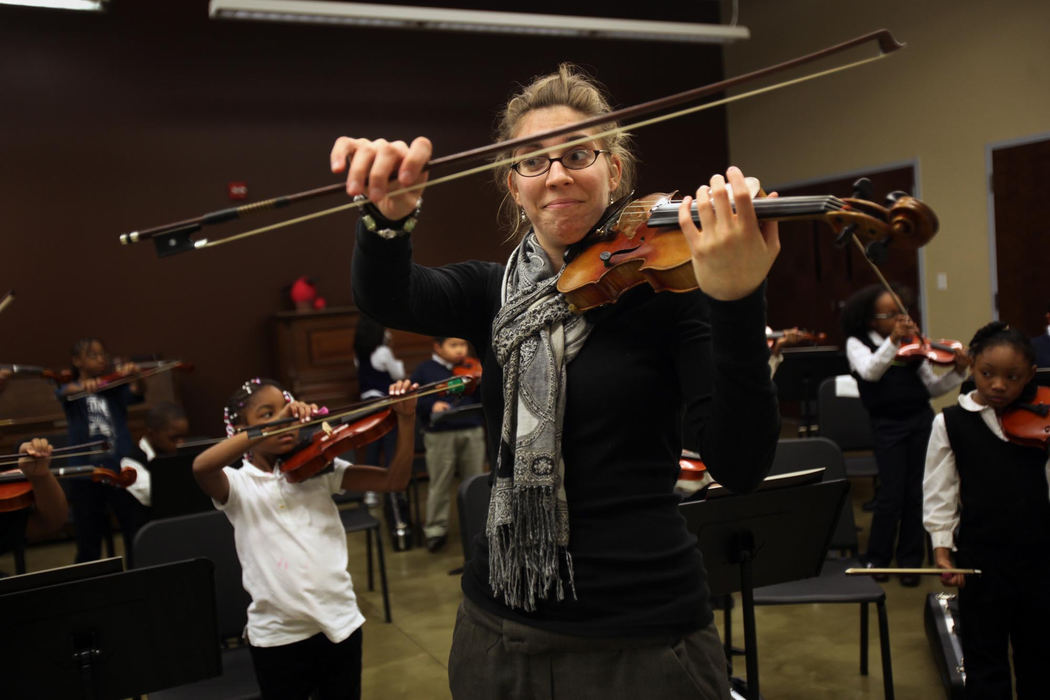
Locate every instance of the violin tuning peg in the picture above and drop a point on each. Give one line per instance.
(863, 189)
(877, 251)
(892, 197)
(842, 239)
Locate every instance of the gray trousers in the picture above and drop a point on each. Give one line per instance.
(496, 658)
(445, 451)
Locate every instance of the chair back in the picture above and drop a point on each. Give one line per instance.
(206, 536)
(473, 502)
(843, 419)
(807, 453)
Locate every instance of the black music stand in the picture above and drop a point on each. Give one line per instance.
(800, 374)
(112, 636)
(759, 539)
(173, 490)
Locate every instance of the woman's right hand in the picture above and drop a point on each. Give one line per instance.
(373, 163)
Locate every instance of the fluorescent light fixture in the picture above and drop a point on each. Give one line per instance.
(442, 19)
(90, 5)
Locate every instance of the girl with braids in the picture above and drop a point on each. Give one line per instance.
(303, 621)
(988, 500)
(586, 582)
(897, 397)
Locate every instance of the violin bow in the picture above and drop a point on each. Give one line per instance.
(173, 238)
(162, 366)
(7, 299)
(88, 448)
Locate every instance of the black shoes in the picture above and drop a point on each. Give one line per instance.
(878, 578)
(435, 543)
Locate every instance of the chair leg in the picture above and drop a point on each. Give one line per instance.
(863, 639)
(368, 554)
(884, 644)
(382, 575)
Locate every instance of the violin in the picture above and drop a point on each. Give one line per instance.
(146, 369)
(16, 493)
(1028, 423)
(638, 241)
(314, 455)
(61, 376)
(798, 336)
(941, 352)
(468, 367)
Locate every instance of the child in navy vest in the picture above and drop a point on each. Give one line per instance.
(988, 499)
(896, 395)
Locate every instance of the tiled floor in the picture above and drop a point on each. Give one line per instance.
(805, 651)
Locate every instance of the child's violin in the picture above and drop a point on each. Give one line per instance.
(312, 456)
(146, 369)
(468, 367)
(60, 376)
(917, 348)
(639, 241)
(16, 493)
(1028, 423)
(797, 336)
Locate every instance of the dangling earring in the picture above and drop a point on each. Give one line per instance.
(523, 217)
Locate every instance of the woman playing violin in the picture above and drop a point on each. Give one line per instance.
(896, 394)
(586, 581)
(987, 505)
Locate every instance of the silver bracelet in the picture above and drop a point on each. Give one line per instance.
(371, 217)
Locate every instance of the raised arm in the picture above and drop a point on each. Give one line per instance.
(50, 508)
(396, 476)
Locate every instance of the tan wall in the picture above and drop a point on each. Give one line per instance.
(972, 74)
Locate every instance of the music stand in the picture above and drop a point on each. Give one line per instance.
(802, 371)
(61, 574)
(763, 538)
(173, 490)
(112, 636)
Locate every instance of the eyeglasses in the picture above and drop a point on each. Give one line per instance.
(884, 317)
(576, 159)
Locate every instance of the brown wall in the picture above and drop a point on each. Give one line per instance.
(141, 116)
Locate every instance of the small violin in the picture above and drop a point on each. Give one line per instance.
(16, 493)
(314, 455)
(468, 367)
(941, 352)
(146, 369)
(798, 336)
(61, 376)
(639, 241)
(1028, 423)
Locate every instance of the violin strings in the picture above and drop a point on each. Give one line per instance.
(204, 243)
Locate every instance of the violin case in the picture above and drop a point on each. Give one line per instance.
(942, 630)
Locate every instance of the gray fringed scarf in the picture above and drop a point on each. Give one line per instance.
(534, 337)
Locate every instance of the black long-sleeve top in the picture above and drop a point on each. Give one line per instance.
(658, 372)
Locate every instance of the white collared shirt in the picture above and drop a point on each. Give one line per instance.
(870, 366)
(293, 553)
(141, 488)
(940, 484)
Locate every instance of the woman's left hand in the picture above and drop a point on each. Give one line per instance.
(732, 252)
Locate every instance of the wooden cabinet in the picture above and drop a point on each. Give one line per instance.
(315, 353)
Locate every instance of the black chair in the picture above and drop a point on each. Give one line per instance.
(209, 536)
(832, 586)
(844, 421)
(473, 502)
(358, 519)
